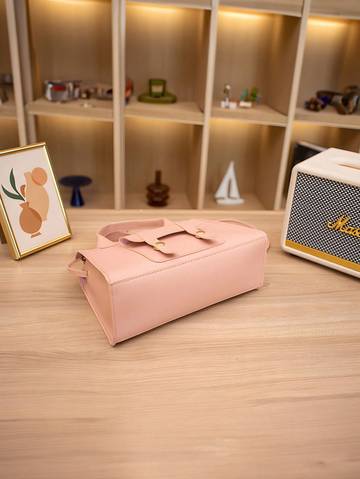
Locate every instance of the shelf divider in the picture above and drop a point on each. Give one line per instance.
(292, 104)
(209, 88)
(16, 70)
(119, 82)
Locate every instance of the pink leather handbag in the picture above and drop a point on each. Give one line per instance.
(146, 273)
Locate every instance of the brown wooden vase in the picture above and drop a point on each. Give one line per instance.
(30, 220)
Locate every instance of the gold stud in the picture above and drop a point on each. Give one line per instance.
(199, 233)
(158, 245)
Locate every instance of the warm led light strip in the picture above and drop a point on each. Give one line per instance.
(242, 15)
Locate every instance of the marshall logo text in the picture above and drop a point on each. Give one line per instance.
(342, 225)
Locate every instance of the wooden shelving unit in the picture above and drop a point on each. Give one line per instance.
(289, 49)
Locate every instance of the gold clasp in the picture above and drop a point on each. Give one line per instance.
(199, 233)
(158, 245)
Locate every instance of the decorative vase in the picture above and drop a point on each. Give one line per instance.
(30, 220)
(35, 193)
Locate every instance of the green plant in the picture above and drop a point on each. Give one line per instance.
(13, 195)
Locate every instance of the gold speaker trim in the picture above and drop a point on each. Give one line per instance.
(325, 256)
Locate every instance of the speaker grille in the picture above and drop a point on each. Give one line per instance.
(318, 201)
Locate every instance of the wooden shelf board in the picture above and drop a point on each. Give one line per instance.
(347, 9)
(291, 8)
(92, 199)
(199, 4)
(8, 109)
(328, 117)
(180, 112)
(251, 203)
(259, 114)
(101, 110)
(177, 201)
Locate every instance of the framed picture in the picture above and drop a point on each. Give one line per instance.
(31, 211)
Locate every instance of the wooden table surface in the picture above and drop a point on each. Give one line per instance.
(262, 386)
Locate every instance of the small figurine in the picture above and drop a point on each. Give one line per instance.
(62, 91)
(157, 192)
(315, 104)
(228, 191)
(248, 99)
(226, 102)
(75, 182)
(157, 93)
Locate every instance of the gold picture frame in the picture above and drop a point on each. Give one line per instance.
(41, 220)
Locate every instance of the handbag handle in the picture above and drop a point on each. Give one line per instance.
(148, 231)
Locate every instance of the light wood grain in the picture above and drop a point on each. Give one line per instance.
(180, 112)
(328, 117)
(255, 149)
(259, 114)
(164, 42)
(265, 385)
(92, 109)
(71, 40)
(171, 147)
(81, 147)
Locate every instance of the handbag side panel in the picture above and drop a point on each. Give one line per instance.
(150, 300)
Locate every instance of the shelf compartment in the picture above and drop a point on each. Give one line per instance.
(330, 48)
(78, 147)
(283, 7)
(71, 41)
(260, 114)
(8, 109)
(201, 4)
(169, 43)
(256, 50)
(324, 136)
(256, 152)
(8, 133)
(328, 117)
(327, 136)
(174, 148)
(101, 110)
(335, 8)
(180, 112)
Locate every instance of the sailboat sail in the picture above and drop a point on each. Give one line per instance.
(228, 191)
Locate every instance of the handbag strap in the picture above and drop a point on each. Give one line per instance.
(148, 231)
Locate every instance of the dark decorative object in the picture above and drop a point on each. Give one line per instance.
(157, 193)
(315, 104)
(76, 182)
(157, 93)
(346, 102)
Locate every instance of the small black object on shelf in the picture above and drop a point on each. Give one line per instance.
(157, 192)
(76, 182)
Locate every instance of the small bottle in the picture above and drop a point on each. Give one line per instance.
(157, 192)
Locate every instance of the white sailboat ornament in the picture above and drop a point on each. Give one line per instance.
(228, 191)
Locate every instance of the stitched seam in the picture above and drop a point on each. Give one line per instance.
(128, 280)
